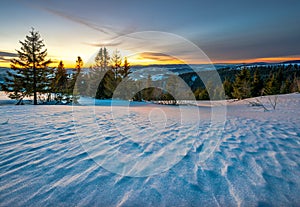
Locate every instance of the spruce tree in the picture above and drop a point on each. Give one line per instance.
(126, 68)
(295, 86)
(79, 64)
(203, 95)
(97, 73)
(102, 59)
(272, 86)
(60, 82)
(227, 85)
(257, 84)
(116, 62)
(286, 86)
(30, 73)
(109, 83)
(76, 85)
(242, 85)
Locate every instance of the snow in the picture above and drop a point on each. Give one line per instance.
(123, 153)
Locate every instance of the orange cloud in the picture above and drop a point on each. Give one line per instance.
(149, 58)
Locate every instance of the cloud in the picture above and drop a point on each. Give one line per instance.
(154, 56)
(8, 54)
(103, 29)
(5, 57)
(112, 32)
(104, 44)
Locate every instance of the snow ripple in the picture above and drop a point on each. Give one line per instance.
(42, 163)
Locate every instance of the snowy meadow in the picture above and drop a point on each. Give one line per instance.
(98, 155)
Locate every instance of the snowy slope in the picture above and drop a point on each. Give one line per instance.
(54, 155)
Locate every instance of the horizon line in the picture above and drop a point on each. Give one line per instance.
(267, 60)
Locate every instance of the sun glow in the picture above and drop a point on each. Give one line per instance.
(264, 59)
(152, 59)
(145, 58)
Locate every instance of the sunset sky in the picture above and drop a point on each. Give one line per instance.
(231, 31)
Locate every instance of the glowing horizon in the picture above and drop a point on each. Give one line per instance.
(138, 60)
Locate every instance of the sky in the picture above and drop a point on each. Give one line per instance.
(225, 31)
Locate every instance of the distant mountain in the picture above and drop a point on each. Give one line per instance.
(291, 62)
(259, 63)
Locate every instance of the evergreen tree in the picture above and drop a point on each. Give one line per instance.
(78, 66)
(242, 85)
(286, 86)
(116, 61)
(106, 58)
(76, 83)
(126, 68)
(30, 73)
(102, 59)
(272, 86)
(228, 88)
(109, 83)
(60, 82)
(99, 59)
(295, 86)
(95, 87)
(201, 94)
(257, 84)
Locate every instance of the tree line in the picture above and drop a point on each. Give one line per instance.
(252, 82)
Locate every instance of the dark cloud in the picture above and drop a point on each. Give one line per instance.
(244, 46)
(5, 57)
(7, 54)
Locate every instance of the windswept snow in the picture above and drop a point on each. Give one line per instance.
(58, 155)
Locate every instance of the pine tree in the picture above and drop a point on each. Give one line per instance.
(102, 59)
(106, 59)
(76, 85)
(203, 95)
(126, 68)
(272, 86)
(116, 61)
(228, 88)
(286, 86)
(242, 85)
(257, 84)
(295, 86)
(78, 66)
(60, 82)
(97, 73)
(30, 73)
(99, 59)
(109, 83)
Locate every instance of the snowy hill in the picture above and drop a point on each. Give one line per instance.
(150, 156)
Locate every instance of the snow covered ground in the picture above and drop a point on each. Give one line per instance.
(150, 155)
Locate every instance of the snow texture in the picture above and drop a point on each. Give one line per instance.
(45, 161)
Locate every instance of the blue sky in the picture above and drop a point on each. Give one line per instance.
(224, 30)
